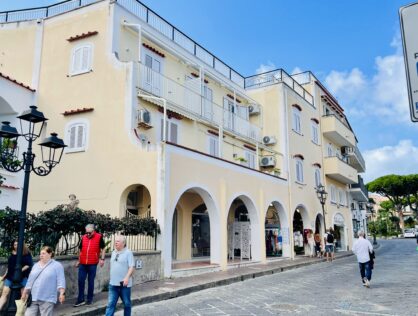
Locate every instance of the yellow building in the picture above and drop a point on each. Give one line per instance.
(157, 125)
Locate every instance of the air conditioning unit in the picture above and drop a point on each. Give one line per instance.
(269, 140)
(267, 161)
(345, 150)
(144, 118)
(254, 109)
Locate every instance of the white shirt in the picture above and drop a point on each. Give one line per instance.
(361, 248)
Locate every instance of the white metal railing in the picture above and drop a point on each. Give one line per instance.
(187, 99)
(276, 76)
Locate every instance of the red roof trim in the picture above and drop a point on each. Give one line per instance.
(16, 82)
(316, 164)
(153, 50)
(9, 187)
(213, 132)
(299, 156)
(315, 120)
(83, 35)
(250, 147)
(77, 111)
(232, 97)
(297, 106)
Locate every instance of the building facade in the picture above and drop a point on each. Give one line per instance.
(156, 125)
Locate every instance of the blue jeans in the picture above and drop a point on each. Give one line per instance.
(114, 293)
(365, 270)
(84, 271)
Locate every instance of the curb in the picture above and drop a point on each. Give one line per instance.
(195, 288)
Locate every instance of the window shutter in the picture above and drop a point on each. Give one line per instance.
(72, 136)
(80, 136)
(148, 61)
(76, 64)
(85, 58)
(213, 146)
(173, 133)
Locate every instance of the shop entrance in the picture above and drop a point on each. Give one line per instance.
(273, 233)
(239, 232)
(200, 232)
(298, 233)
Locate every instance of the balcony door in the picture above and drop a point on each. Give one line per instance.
(151, 76)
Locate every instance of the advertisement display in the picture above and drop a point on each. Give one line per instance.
(409, 30)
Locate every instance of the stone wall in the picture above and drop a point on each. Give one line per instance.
(150, 271)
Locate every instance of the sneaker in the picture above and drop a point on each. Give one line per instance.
(78, 304)
(367, 283)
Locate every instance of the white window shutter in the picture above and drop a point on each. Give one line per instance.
(173, 133)
(80, 136)
(72, 136)
(85, 58)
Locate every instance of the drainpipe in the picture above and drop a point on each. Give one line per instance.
(139, 28)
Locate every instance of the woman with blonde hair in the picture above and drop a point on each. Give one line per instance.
(27, 264)
(45, 281)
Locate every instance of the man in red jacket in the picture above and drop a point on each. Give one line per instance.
(92, 252)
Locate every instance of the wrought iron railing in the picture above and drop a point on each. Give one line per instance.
(188, 100)
(360, 185)
(43, 12)
(277, 76)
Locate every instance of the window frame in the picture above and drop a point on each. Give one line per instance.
(315, 132)
(317, 171)
(333, 194)
(296, 120)
(169, 135)
(86, 132)
(299, 170)
(215, 139)
(89, 67)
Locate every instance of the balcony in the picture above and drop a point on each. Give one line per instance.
(337, 132)
(358, 191)
(187, 100)
(274, 77)
(357, 160)
(339, 170)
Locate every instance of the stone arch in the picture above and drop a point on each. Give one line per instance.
(254, 219)
(135, 200)
(215, 228)
(284, 229)
(300, 222)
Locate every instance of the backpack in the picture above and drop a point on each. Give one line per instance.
(330, 238)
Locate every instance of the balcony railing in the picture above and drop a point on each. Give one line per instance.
(359, 186)
(187, 99)
(277, 76)
(359, 159)
(337, 168)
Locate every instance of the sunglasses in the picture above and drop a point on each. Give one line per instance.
(117, 257)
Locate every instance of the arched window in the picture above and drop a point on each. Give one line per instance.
(299, 169)
(315, 131)
(296, 125)
(317, 173)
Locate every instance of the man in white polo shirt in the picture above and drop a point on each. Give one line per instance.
(121, 270)
(362, 249)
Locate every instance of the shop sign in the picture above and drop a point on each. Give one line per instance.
(338, 219)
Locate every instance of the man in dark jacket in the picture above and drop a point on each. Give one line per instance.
(92, 252)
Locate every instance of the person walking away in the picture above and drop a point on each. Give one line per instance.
(311, 243)
(121, 270)
(45, 281)
(329, 245)
(362, 249)
(318, 251)
(27, 264)
(92, 252)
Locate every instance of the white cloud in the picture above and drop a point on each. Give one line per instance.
(383, 95)
(265, 67)
(399, 159)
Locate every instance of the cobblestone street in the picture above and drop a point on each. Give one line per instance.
(321, 289)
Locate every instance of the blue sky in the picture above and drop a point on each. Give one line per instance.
(352, 46)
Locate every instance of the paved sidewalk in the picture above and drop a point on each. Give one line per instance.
(169, 288)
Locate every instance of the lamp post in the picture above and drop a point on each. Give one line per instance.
(322, 196)
(32, 122)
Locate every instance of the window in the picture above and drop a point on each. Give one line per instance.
(76, 134)
(250, 157)
(315, 136)
(296, 120)
(151, 79)
(299, 170)
(342, 197)
(317, 176)
(214, 146)
(333, 194)
(81, 59)
(171, 131)
(330, 150)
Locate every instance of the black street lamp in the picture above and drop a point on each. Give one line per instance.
(322, 196)
(31, 123)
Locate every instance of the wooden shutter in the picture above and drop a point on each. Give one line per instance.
(72, 137)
